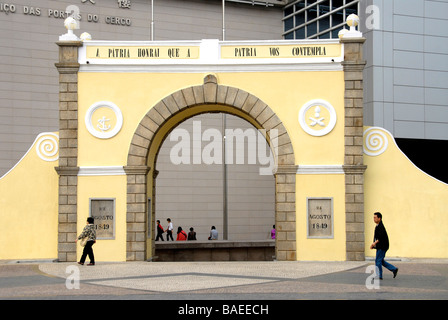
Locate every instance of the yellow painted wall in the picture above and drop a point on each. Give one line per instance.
(29, 209)
(414, 205)
(319, 186)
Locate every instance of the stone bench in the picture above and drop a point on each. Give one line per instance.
(215, 250)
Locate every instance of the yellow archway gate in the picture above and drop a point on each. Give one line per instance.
(116, 105)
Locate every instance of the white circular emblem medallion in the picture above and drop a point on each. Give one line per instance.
(317, 117)
(104, 119)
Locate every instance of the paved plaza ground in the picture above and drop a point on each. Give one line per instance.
(222, 281)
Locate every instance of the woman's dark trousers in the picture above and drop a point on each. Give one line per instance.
(88, 251)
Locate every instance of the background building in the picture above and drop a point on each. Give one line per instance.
(313, 19)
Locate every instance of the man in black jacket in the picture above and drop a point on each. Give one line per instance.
(381, 244)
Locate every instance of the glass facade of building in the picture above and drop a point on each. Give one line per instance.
(317, 19)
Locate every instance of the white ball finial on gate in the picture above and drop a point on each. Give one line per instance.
(353, 22)
(70, 24)
(85, 36)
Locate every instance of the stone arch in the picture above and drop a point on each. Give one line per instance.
(209, 93)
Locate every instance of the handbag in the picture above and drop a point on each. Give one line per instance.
(84, 241)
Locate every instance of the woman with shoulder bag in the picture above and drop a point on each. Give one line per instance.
(89, 232)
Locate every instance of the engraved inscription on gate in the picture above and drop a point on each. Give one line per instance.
(103, 212)
(320, 217)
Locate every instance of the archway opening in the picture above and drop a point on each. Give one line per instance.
(215, 170)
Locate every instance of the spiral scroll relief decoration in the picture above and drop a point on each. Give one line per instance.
(375, 141)
(47, 146)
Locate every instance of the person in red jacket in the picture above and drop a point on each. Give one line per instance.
(160, 231)
(181, 234)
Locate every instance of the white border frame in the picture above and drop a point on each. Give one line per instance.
(89, 124)
(210, 58)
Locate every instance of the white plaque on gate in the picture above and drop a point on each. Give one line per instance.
(320, 218)
(103, 212)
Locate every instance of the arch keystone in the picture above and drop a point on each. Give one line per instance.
(210, 78)
(210, 88)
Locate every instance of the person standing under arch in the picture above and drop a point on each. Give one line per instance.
(160, 231)
(169, 230)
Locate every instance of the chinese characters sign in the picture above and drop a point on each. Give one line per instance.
(121, 3)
